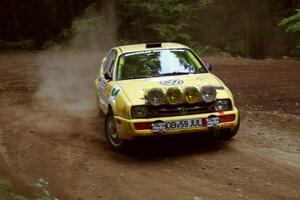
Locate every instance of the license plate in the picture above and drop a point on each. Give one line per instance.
(180, 124)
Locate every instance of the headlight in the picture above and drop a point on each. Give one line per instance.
(155, 97)
(208, 93)
(139, 112)
(173, 95)
(191, 94)
(222, 105)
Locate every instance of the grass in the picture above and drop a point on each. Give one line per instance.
(7, 191)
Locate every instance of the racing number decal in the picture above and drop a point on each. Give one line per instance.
(115, 92)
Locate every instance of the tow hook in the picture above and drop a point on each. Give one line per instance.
(216, 132)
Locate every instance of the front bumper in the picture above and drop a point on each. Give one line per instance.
(127, 130)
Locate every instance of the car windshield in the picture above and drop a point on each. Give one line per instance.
(156, 63)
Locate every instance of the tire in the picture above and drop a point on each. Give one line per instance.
(228, 133)
(112, 135)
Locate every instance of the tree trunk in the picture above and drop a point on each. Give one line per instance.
(15, 20)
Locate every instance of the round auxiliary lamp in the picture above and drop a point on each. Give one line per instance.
(155, 96)
(173, 95)
(191, 94)
(208, 93)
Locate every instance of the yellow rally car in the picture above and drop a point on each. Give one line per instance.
(161, 89)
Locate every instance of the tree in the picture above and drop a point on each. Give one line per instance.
(164, 20)
(292, 24)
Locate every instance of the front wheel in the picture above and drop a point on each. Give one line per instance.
(112, 134)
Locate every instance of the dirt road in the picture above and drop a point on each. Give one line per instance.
(67, 147)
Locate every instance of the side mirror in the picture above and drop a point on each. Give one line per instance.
(107, 76)
(104, 59)
(209, 66)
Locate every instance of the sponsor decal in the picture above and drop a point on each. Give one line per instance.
(227, 125)
(158, 126)
(153, 51)
(114, 93)
(171, 82)
(183, 111)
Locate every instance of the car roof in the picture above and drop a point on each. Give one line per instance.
(149, 46)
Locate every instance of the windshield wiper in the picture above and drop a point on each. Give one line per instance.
(173, 74)
(158, 75)
(138, 76)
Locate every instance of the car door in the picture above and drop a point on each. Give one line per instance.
(104, 83)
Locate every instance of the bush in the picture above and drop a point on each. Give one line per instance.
(236, 48)
(126, 42)
(7, 192)
(204, 50)
(292, 24)
(91, 31)
(51, 44)
(24, 44)
(296, 50)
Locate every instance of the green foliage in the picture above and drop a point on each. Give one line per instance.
(90, 22)
(170, 32)
(292, 24)
(204, 50)
(161, 20)
(24, 44)
(210, 22)
(236, 48)
(42, 185)
(5, 187)
(51, 44)
(88, 29)
(7, 192)
(296, 50)
(5, 183)
(126, 42)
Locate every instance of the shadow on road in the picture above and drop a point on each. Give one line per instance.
(174, 146)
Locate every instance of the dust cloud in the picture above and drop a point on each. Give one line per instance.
(67, 75)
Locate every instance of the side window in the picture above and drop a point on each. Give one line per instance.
(109, 63)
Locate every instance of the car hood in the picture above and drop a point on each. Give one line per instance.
(135, 89)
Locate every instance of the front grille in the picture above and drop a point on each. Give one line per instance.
(181, 109)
